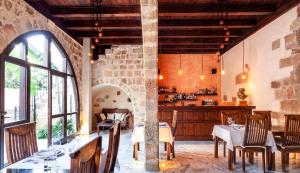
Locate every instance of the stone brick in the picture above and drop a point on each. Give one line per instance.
(285, 62)
(291, 42)
(275, 84)
(276, 44)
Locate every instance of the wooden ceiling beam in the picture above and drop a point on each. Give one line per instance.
(162, 41)
(163, 23)
(246, 9)
(162, 34)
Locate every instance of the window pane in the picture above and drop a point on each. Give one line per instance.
(57, 95)
(18, 51)
(15, 82)
(37, 50)
(57, 128)
(71, 96)
(39, 103)
(71, 124)
(69, 70)
(58, 61)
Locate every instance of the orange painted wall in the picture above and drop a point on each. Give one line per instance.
(189, 80)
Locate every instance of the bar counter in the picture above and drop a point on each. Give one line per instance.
(197, 122)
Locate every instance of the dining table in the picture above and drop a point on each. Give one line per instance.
(233, 135)
(165, 135)
(62, 163)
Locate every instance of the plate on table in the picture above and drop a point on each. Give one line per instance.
(46, 154)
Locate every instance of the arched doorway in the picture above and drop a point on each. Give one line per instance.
(37, 83)
(109, 96)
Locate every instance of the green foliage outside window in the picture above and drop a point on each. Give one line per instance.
(56, 129)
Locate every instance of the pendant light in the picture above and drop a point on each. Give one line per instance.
(243, 74)
(202, 75)
(222, 71)
(180, 70)
(160, 76)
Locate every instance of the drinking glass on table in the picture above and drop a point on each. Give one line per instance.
(230, 120)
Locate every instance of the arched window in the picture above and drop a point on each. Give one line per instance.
(39, 85)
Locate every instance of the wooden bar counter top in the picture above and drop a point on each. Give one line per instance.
(197, 122)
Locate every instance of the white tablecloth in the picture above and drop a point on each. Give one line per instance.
(165, 133)
(235, 136)
(62, 163)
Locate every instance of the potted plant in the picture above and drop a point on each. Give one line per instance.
(242, 96)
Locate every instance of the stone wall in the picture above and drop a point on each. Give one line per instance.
(272, 57)
(17, 18)
(287, 90)
(122, 67)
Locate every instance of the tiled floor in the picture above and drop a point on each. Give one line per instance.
(191, 157)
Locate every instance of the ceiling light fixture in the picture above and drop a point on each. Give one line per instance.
(243, 74)
(202, 75)
(180, 70)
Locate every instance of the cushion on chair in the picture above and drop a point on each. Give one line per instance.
(118, 116)
(110, 116)
(102, 116)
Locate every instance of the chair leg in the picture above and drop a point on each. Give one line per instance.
(240, 153)
(234, 155)
(224, 149)
(287, 159)
(283, 161)
(173, 149)
(243, 161)
(165, 146)
(264, 160)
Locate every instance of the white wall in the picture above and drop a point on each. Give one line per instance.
(263, 62)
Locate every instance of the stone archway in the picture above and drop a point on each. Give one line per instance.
(137, 116)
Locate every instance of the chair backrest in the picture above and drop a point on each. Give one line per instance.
(292, 130)
(174, 122)
(256, 131)
(109, 158)
(268, 114)
(86, 159)
(20, 142)
(236, 116)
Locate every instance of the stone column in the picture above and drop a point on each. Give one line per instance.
(150, 41)
(86, 114)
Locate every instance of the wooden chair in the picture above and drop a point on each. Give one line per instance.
(255, 137)
(224, 121)
(86, 159)
(109, 158)
(268, 114)
(291, 139)
(20, 142)
(173, 128)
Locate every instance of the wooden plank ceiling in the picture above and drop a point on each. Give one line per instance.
(185, 26)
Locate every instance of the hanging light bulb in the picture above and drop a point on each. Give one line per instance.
(180, 71)
(92, 61)
(202, 77)
(97, 40)
(93, 46)
(97, 23)
(100, 34)
(225, 28)
(227, 33)
(221, 22)
(160, 77)
(222, 72)
(90, 54)
(244, 76)
(222, 45)
(226, 39)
